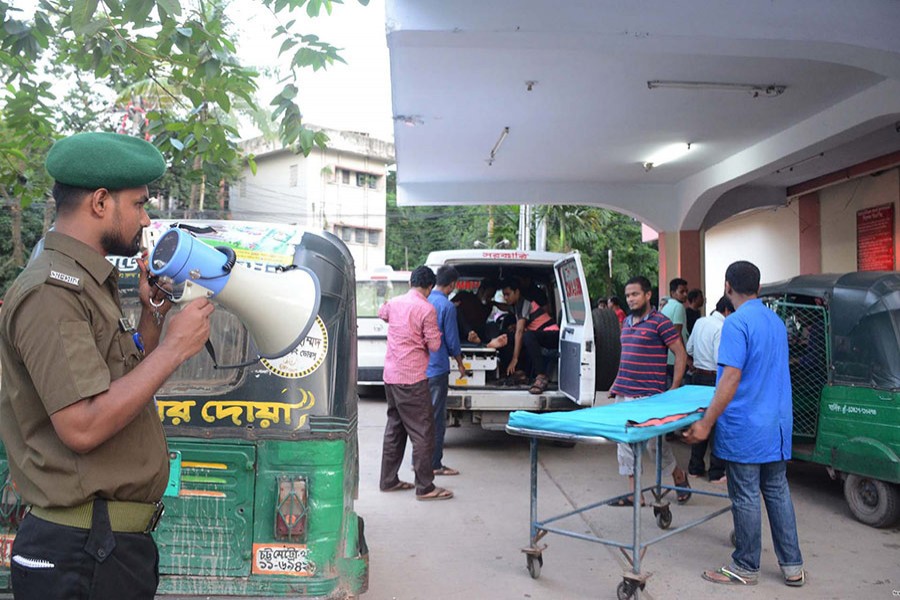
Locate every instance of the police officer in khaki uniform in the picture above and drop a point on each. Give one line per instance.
(86, 448)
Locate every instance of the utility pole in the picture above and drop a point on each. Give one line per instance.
(524, 227)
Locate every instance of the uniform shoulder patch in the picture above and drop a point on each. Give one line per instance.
(63, 279)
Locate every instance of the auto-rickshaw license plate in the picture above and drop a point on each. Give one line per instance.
(282, 559)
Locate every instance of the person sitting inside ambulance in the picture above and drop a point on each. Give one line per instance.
(473, 312)
(535, 329)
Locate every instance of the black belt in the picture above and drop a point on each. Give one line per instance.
(705, 372)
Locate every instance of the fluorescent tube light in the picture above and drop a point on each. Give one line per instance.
(666, 154)
(756, 90)
(496, 148)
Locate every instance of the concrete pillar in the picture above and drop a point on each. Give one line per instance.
(680, 255)
(810, 223)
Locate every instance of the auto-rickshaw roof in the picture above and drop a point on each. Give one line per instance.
(850, 296)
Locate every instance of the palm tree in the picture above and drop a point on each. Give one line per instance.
(572, 224)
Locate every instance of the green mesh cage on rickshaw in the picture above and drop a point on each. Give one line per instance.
(809, 335)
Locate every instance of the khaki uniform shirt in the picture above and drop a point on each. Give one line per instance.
(61, 342)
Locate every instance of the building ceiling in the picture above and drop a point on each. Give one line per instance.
(580, 132)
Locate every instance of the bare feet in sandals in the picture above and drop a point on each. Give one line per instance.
(540, 384)
(401, 486)
(446, 471)
(438, 493)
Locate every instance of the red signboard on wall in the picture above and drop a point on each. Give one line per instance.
(875, 238)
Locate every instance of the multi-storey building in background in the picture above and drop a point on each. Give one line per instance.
(341, 189)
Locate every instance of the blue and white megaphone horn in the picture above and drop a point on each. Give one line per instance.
(278, 308)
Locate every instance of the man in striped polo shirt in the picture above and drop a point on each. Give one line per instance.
(647, 337)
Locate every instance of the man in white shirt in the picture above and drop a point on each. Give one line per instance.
(703, 351)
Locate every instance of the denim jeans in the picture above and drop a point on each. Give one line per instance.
(745, 482)
(438, 386)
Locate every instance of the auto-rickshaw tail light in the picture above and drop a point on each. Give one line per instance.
(291, 509)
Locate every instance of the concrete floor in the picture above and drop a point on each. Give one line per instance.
(468, 548)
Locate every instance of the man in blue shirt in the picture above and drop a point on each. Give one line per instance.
(752, 412)
(438, 371)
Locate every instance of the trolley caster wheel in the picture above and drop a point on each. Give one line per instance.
(663, 518)
(733, 538)
(626, 589)
(535, 562)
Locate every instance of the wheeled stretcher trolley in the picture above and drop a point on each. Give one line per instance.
(637, 423)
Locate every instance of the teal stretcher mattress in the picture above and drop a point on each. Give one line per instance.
(635, 421)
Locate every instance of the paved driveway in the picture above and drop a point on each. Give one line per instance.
(468, 548)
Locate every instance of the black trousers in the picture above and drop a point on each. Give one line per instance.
(697, 466)
(55, 562)
(532, 342)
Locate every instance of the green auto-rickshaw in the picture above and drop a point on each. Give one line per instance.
(843, 332)
(264, 459)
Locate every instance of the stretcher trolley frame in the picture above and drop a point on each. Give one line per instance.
(634, 580)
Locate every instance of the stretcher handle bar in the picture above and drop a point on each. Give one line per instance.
(558, 437)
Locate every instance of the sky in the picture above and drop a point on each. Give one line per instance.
(353, 96)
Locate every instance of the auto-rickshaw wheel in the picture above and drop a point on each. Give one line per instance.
(535, 562)
(873, 502)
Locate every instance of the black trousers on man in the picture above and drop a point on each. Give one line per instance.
(697, 466)
(533, 342)
(56, 562)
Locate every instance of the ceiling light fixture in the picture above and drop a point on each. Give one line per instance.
(496, 148)
(756, 90)
(666, 154)
(790, 167)
(409, 120)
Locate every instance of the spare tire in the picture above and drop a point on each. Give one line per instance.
(608, 344)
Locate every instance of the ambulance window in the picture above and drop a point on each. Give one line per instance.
(573, 294)
(371, 294)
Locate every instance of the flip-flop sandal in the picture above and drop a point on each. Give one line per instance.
(798, 582)
(623, 502)
(438, 493)
(401, 486)
(540, 385)
(683, 497)
(446, 471)
(725, 576)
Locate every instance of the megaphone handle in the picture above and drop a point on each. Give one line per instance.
(192, 291)
(212, 353)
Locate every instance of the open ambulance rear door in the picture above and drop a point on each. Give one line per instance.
(576, 332)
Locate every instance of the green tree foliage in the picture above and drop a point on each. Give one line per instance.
(32, 228)
(180, 54)
(184, 46)
(414, 231)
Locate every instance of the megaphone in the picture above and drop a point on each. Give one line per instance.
(278, 308)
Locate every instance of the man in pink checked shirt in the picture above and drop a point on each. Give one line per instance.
(412, 334)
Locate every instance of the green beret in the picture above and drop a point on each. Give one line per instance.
(104, 160)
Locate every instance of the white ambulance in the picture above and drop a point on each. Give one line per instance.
(372, 290)
(584, 365)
